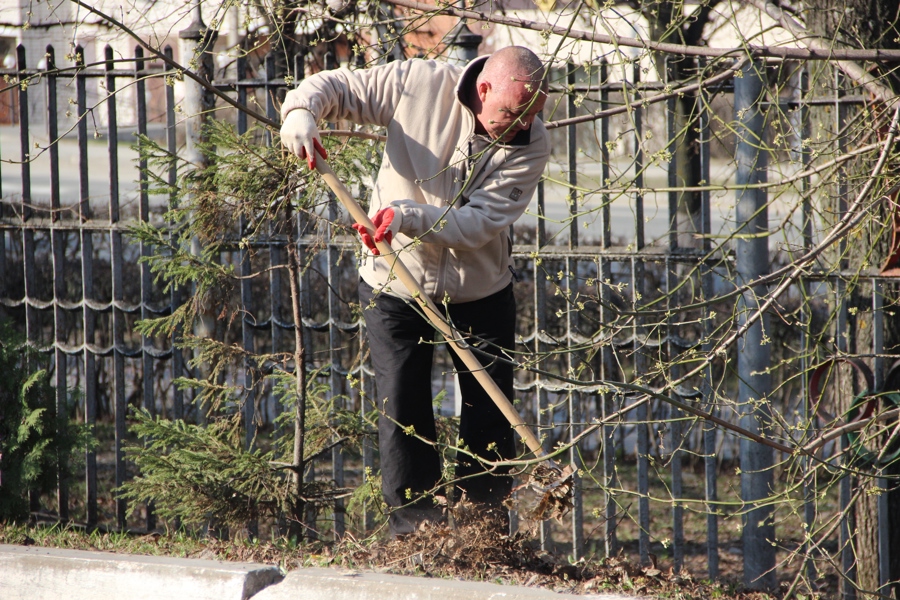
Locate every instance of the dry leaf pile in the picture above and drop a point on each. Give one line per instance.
(476, 548)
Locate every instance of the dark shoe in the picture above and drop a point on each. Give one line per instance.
(407, 519)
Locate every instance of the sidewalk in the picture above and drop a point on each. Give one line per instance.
(32, 573)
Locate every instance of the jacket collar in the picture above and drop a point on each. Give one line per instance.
(466, 86)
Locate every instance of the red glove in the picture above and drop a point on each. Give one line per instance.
(387, 222)
(311, 159)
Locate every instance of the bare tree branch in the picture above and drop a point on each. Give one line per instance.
(853, 70)
(676, 93)
(174, 65)
(817, 53)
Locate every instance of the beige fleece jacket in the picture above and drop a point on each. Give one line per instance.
(457, 192)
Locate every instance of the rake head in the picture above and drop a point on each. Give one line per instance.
(554, 487)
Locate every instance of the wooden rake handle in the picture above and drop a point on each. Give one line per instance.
(431, 310)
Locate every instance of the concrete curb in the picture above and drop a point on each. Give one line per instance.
(32, 573)
(333, 584)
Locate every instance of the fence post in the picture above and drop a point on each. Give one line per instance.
(196, 50)
(196, 45)
(463, 44)
(753, 355)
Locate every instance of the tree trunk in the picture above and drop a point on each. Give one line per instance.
(863, 24)
(685, 148)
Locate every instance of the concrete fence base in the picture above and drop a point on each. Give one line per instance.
(332, 584)
(31, 573)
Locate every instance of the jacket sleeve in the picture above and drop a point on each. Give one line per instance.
(364, 96)
(494, 206)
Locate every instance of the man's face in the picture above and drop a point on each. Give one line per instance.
(506, 111)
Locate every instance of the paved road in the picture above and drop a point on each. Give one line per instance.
(557, 210)
(11, 172)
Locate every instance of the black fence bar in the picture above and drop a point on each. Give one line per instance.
(246, 284)
(543, 418)
(31, 325)
(674, 148)
(882, 484)
(148, 401)
(178, 366)
(806, 341)
(24, 137)
(608, 367)
(87, 291)
(571, 283)
(59, 280)
(642, 414)
(366, 406)
(276, 256)
(572, 160)
(31, 313)
(675, 423)
(334, 361)
(710, 467)
(118, 291)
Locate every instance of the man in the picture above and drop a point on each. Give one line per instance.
(463, 157)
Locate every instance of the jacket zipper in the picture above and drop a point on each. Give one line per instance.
(441, 283)
(477, 169)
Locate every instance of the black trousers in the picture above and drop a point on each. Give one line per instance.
(402, 353)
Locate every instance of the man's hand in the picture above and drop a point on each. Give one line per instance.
(300, 135)
(387, 223)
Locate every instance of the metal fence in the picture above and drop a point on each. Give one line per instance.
(71, 280)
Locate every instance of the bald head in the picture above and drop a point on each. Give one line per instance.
(510, 91)
(510, 65)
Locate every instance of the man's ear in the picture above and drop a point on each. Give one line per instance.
(483, 88)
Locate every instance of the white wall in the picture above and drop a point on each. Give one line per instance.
(64, 25)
